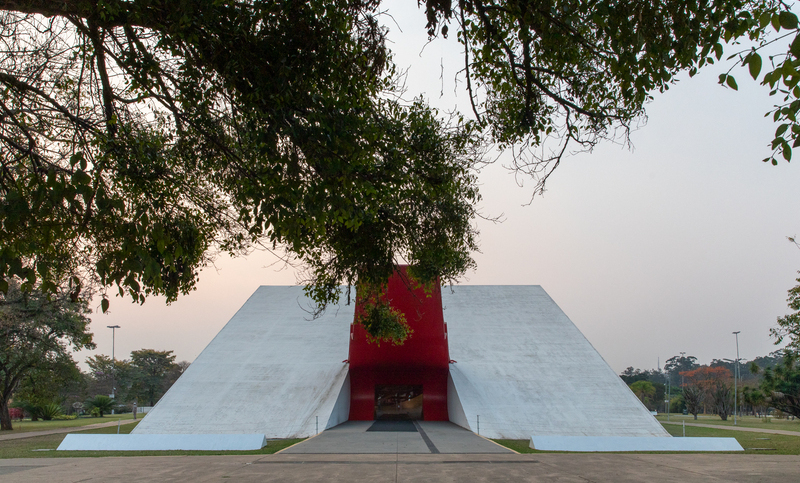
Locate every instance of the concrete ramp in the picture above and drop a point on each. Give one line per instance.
(162, 442)
(628, 444)
(523, 368)
(271, 370)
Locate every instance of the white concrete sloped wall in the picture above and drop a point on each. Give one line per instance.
(525, 369)
(522, 367)
(271, 370)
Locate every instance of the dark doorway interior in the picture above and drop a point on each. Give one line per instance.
(398, 402)
(393, 427)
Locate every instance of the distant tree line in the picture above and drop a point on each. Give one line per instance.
(766, 383)
(39, 330)
(108, 385)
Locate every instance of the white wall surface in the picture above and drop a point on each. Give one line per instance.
(522, 366)
(525, 369)
(271, 370)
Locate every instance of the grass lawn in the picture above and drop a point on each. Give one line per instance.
(27, 425)
(44, 447)
(753, 443)
(743, 421)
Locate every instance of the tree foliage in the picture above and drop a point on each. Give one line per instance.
(756, 399)
(693, 398)
(788, 327)
(150, 369)
(781, 385)
(643, 389)
(676, 365)
(721, 394)
(714, 385)
(771, 24)
(109, 376)
(139, 138)
(631, 375)
(36, 332)
(48, 384)
(99, 405)
(577, 72)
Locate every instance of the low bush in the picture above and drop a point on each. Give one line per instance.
(50, 411)
(64, 417)
(101, 404)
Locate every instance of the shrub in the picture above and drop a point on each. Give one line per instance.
(16, 413)
(100, 405)
(50, 411)
(64, 417)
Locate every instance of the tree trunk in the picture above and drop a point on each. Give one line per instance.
(5, 417)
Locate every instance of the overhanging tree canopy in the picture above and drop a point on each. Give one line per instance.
(139, 137)
(547, 76)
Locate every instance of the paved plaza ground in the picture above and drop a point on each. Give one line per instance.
(421, 437)
(374, 468)
(410, 452)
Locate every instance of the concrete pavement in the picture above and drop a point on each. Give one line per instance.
(430, 437)
(407, 468)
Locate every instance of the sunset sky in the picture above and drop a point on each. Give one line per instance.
(666, 247)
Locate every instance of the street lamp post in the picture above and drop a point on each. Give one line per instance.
(114, 373)
(735, 378)
(112, 327)
(669, 393)
(114, 367)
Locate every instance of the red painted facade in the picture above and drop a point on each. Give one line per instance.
(422, 360)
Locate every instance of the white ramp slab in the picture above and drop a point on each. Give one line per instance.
(162, 442)
(612, 443)
(271, 370)
(523, 368)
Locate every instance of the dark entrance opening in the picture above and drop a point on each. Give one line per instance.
(398, 402)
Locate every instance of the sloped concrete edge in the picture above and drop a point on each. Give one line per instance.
(630, 443)
(162, 442)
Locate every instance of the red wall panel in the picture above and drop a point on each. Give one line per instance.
(422, 360)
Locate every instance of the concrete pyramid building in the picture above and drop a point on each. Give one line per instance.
(503, 361)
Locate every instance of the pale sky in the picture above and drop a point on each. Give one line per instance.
(668, 247)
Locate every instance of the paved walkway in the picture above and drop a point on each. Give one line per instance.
(738, 428)
(33, 434)
(563, 468)
(425, 437)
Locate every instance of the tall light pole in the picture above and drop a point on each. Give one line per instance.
(114, 374)
(112, 327)
(735, 377)
(669, 393)
(682, 354)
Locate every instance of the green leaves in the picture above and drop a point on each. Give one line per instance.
(234, 123)
(727, 79)
(782, 75)
(753, 61)
(787, 20)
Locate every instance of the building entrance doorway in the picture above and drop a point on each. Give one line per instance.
(398, 402)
